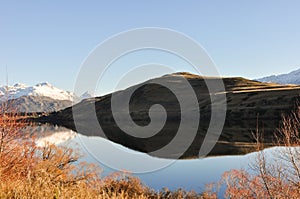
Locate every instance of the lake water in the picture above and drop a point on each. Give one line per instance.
(155, 172)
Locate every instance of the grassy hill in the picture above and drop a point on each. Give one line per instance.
(250, 104)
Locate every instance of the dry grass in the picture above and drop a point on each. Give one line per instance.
(29, 171)
(276, 177)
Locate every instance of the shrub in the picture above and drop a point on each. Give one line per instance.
(276, 177)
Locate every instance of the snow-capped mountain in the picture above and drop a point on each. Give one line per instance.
(39, 90)
(42, 97)
(289, 78)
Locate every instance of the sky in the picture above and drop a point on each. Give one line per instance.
(49, 40)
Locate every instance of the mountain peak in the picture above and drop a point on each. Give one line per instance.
(183, 74)
(43, 89)
(44, 84)
(289, 78)
(86, 95)
(20, 85)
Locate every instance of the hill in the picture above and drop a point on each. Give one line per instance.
(249, 103)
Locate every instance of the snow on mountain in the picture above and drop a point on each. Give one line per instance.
(289, 78)
(40, 90)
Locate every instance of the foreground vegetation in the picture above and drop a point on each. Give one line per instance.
(277, 176)
(29, 171)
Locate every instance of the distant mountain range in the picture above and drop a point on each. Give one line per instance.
(289, 78)
(42, 97)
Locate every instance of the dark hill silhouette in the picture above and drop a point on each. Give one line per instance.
(248, 103)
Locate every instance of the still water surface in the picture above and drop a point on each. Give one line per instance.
(155, 172)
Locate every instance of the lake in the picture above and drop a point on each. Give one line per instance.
(157, 173)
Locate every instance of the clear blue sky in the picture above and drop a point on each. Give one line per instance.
(48, 40)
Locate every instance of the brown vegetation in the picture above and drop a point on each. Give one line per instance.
(274, 177)
(29, 171)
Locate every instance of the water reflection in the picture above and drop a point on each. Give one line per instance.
(188, 174)
(50, 134)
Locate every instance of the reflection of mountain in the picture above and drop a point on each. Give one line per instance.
(49, 134)
(42, 97)
(247, 101)
(290, 78)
